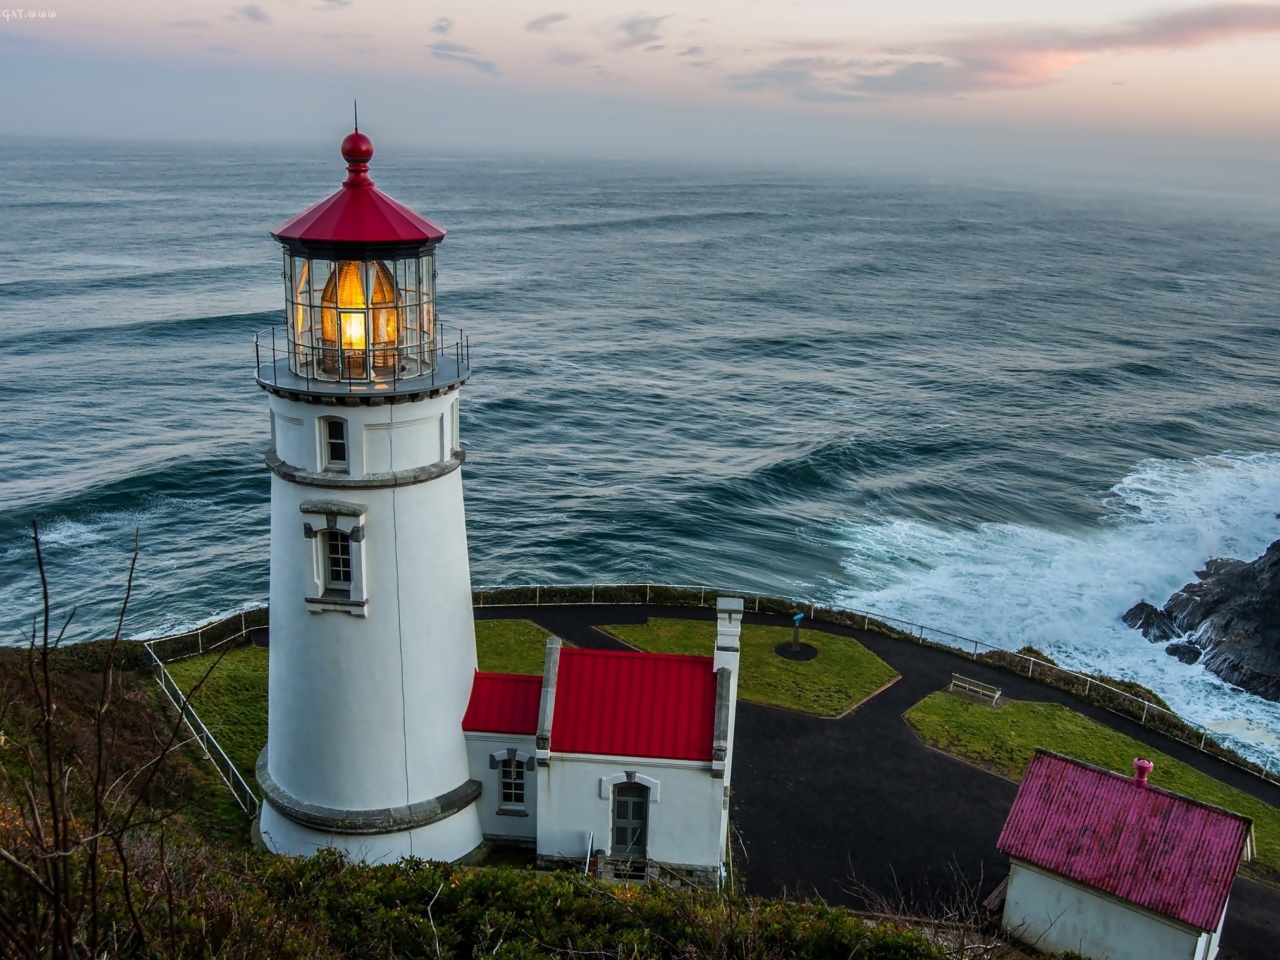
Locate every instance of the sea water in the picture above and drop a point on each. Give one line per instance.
(1005, 411)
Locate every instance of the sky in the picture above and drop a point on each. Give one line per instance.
(798, 79)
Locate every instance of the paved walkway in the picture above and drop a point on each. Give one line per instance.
(834, 807)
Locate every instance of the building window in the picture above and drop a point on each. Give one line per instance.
(337, 551)
(334, 440)
(630, 819)
(512, 783)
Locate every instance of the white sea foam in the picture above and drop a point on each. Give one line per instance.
(1013, 585)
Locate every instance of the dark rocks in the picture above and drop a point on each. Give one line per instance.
(1231, 616)
(1152, 622)
(1184, 651)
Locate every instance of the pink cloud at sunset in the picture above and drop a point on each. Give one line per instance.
(1005, 58)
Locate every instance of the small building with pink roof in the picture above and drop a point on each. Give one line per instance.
(1112, 867)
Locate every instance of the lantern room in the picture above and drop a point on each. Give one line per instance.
(359, 273)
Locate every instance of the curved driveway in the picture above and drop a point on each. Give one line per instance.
(832, 808)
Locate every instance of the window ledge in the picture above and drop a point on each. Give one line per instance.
(338, 599)
(331, 604)
(512, 812)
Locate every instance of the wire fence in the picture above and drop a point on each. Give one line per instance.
(1103, 692)
(206, 639)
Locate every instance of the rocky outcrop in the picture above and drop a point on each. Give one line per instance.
(1154, 624)
(1230, 616)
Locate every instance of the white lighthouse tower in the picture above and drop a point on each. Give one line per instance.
(372, 641)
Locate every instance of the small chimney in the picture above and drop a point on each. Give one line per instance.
(1142, 769)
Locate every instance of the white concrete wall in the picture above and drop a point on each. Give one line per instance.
(728, 648)
(1054, 914)
(480, 746)
(455, 833)
(684, 813)
(366, 711)
(380, 439)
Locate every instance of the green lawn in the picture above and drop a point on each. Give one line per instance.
(511, 646)
(1003, 741)
(843, 674)
(232, 702)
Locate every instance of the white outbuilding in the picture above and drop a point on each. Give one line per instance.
(616, 761)
(1111, 867)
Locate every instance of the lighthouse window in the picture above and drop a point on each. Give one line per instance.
(338, 556)
(512, 782)
(334, 433)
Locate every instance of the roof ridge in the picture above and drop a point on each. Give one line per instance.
(1149, 788)
(632, 652)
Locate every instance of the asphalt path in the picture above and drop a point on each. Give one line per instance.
(859, 811)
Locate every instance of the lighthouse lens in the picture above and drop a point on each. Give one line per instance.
(353, 331)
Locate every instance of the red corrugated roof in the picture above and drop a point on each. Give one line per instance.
(634, 705)
(1157, 849)
(503, 703)
(358, 213)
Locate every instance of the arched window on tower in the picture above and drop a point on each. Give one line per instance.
(337, 555)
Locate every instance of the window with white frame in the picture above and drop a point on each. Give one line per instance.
(337, 556)
(512, 772)
(334, 444)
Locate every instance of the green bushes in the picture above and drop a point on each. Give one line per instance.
(417, 909)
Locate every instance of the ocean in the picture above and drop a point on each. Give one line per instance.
(1007, 411)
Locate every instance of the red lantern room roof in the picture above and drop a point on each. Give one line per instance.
(359, 218)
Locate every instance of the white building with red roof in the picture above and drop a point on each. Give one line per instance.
(619, 760)
(1111, 867)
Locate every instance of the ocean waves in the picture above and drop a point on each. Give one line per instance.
(1015, 585)
(866, 391)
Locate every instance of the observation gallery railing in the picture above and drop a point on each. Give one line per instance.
(334, 368)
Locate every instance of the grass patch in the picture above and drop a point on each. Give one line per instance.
(511, 646)
(843, 674)
(232, 702)
(1003, 741)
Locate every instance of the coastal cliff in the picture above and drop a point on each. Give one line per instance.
(1229, 617)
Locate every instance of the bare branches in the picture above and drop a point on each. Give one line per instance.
(70, 803)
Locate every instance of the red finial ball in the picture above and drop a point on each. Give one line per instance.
(357, 148)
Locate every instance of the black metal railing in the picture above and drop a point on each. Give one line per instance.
(332, 368)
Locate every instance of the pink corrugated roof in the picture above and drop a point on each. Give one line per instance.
(634, 705)
(503, 703)
(1157, 849)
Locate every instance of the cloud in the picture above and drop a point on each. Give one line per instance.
(442, 26)
(689, 52)
(1008, 59)
(568, 58)
(812, 79)
(190, 24)
(457, 53)
(639, 32)
(254, 13)
(654, 48)
(333, 4)
(544, 23)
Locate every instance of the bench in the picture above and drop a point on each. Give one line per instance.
(983, 691)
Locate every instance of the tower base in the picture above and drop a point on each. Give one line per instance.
(452, 839)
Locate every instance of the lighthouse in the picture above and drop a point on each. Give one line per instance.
(372, 642)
